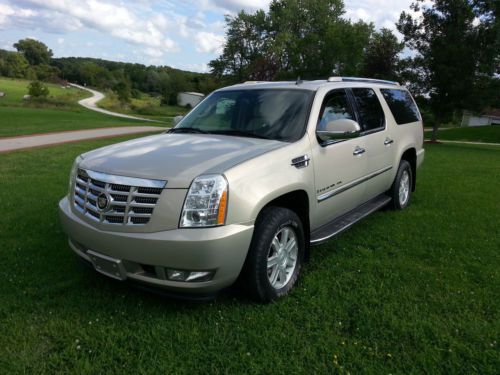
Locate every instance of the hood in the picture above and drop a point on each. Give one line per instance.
(177, 158)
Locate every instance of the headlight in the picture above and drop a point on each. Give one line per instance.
(206, 202)
(72, 174)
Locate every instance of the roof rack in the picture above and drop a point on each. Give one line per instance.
(357, 79)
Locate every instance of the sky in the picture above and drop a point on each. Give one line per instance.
(182, 34)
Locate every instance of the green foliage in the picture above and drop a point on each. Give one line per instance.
(38, 90)
(381, 59)
(122, 90)
(456, 54)
(14, 65)
(35, 52)
(46, 73)
(295, 38)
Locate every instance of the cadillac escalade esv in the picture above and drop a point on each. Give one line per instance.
(244, 184)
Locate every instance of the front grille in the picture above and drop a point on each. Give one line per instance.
(129, 204)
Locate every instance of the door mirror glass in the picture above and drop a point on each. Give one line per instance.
(177, 119)
(340, 129)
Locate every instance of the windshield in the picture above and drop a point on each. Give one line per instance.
(269, 113)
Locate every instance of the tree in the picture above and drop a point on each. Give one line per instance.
(34, 51)
(381, 59)
(15, 65)
(122, 90)
(245, 45)
(295, 38)
(38, 90)
(452, 54)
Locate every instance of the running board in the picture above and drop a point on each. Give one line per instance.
(327, 231)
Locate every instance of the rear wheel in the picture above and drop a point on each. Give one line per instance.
(402, 186)
(276, 254)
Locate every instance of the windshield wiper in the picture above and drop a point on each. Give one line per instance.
(239, 133)
(187, 130)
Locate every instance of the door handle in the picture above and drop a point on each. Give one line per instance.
(388, 141)
(358, 151)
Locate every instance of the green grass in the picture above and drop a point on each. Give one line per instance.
(21, 121)
(17, 88)
(488, 134)
(145, 106)
(60, 113)
(401, 292)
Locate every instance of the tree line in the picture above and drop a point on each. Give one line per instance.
(34, 61)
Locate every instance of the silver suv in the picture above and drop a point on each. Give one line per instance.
(244, 184)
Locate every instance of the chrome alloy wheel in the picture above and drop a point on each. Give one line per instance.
(282, 257)
(404, 188)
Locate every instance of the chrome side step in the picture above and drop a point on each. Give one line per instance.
(327, 231)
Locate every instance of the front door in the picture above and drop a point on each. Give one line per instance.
(338, 166)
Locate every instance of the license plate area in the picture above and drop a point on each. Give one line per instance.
(107, 266)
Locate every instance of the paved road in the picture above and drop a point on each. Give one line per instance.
(91, 103)
(33, 141)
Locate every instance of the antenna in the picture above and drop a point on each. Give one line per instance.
(299, 81)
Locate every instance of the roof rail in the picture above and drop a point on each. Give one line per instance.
(357, 79)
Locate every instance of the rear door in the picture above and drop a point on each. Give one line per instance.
(378, 139)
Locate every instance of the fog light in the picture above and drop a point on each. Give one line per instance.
(177, 275)
(189, 276)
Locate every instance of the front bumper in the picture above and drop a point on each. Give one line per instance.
(146, 255)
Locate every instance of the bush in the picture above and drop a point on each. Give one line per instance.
(38, 90)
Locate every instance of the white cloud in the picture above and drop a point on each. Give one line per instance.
(5, 12)
(207, 42)
(383, 13)
(112, 18)
(152, 52)
(60, 40)
(9, 13)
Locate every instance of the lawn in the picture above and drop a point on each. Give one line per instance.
(21, 121)
(488, 134)
(402, 292)
(15, 89)
(145, 106)
(61, 113)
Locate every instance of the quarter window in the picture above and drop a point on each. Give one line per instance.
(335, 107)
(402, 106)
(371, 114)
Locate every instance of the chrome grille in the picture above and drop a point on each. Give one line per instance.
(131, 201)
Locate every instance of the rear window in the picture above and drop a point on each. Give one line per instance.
(402, 106)
(371, 114)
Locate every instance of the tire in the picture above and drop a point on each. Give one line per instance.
(401, 187)
(274, 224)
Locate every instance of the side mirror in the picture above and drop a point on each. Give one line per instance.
(177, 119)
(337, 130)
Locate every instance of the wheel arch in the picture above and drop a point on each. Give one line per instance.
(410, 155)
(298, 202)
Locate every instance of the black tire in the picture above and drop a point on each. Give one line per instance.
(270, 223)
(397, 202)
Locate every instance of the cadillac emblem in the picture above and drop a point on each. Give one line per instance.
(103, 202)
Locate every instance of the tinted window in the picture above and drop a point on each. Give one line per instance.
(402, 106)
(336, 106)
(371, 114)
(272, 113)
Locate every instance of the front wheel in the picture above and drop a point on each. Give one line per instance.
(402, 186)
(276, 254)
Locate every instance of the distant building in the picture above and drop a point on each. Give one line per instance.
(490, 117)
(189, 99)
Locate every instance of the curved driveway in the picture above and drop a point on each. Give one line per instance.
(91, 103)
